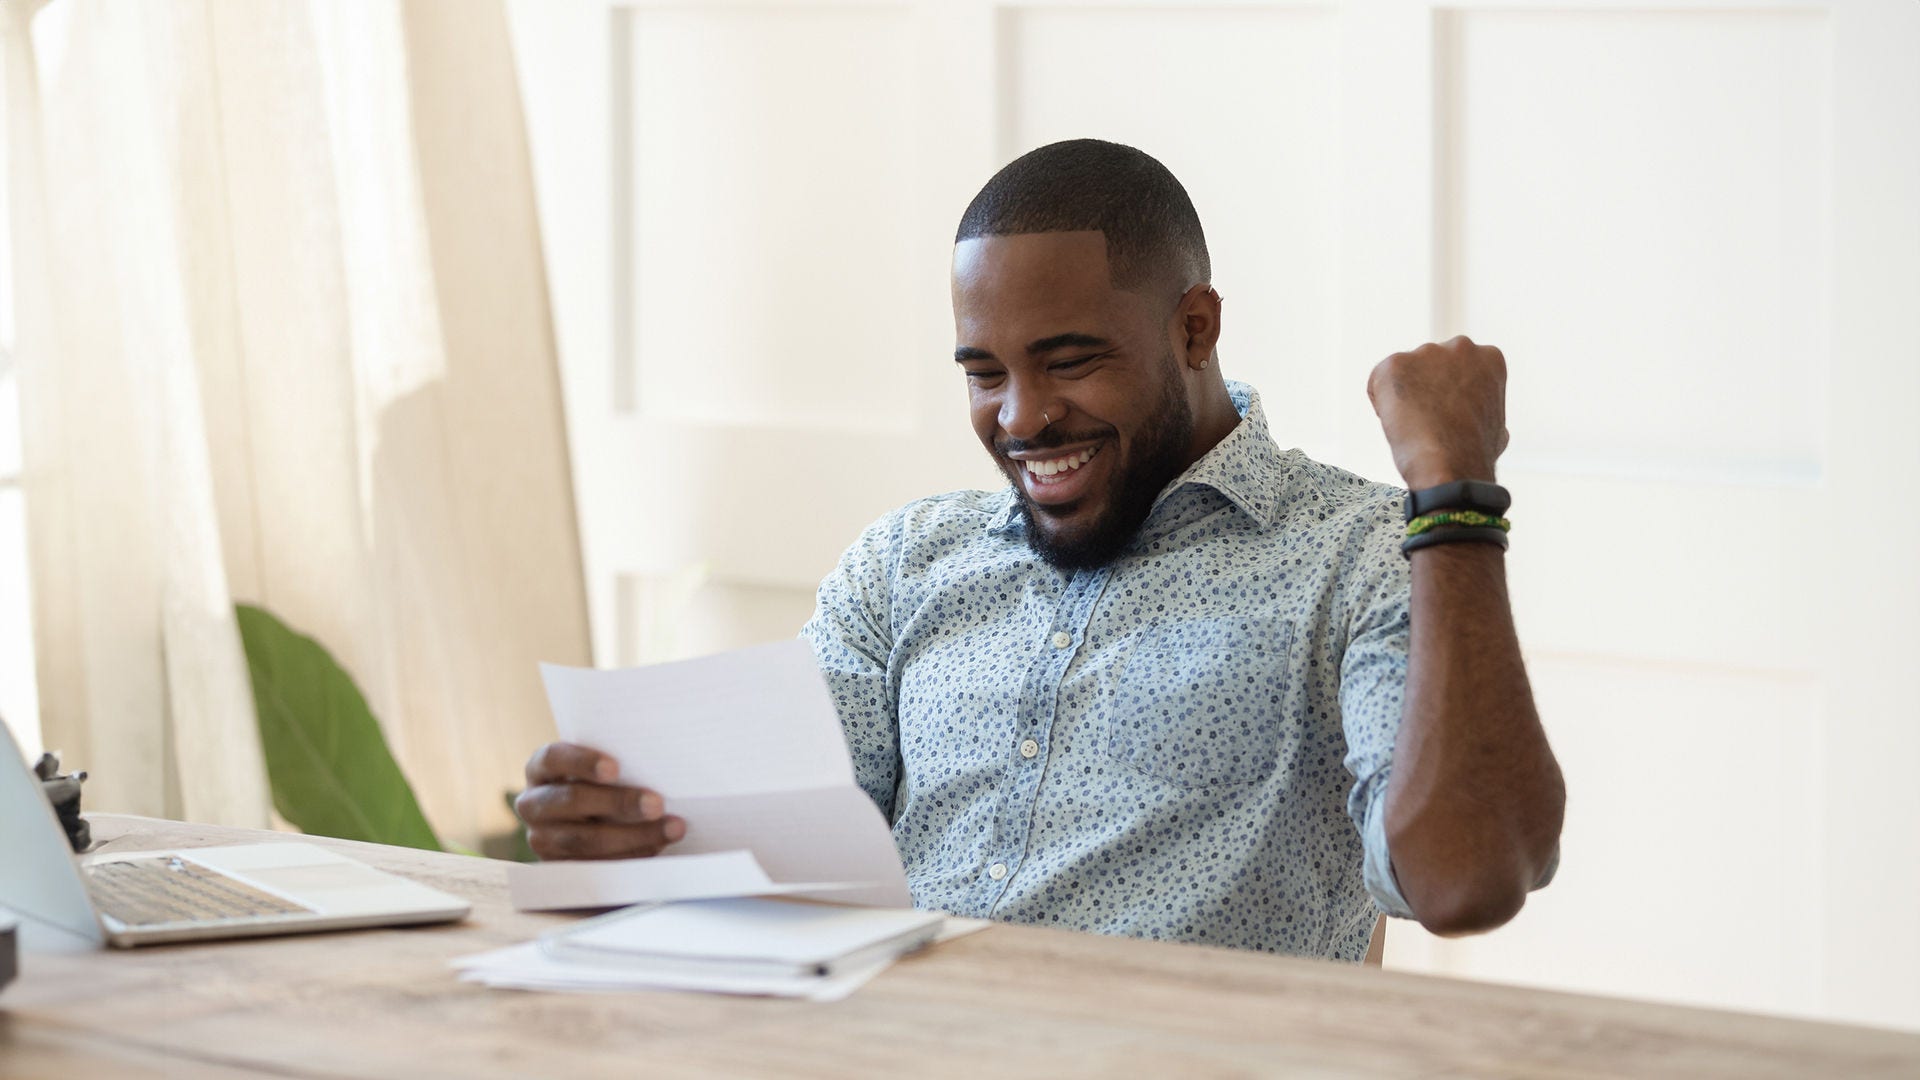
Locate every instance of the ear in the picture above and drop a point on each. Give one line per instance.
(1196, 325)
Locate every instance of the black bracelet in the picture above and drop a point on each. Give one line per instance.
(1483, 495)
(1451, 534)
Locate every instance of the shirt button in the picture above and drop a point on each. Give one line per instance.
(1062, 639)
(1029, 748)
(997, 871)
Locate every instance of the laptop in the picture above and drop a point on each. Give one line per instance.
(149, 897)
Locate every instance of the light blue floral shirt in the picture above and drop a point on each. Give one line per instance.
(1191, 743)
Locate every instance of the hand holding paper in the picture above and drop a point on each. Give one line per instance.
(573, 810)
(746, 748)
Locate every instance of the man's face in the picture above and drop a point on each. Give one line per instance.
(1075, 388)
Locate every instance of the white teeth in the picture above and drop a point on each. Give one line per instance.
(1060, 465)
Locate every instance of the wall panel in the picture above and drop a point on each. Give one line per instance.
(1239, 103)
(1638, 218)
(773, 185)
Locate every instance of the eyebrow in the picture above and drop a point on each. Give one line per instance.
(1068, 340)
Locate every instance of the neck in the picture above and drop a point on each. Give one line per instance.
(1214, 415)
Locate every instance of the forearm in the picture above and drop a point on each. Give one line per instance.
(1474, 805)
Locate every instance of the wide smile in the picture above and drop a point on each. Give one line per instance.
(1062, 478)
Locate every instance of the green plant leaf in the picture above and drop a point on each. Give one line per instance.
(327, 761)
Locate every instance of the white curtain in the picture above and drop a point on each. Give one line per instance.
(283, 338)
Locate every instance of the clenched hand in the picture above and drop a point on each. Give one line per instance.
(1444, 410)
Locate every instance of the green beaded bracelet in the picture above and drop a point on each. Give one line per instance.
(1469, 518)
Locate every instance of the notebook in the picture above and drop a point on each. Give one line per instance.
(745, 936)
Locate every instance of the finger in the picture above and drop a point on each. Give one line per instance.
(566, 761)
(551, 803)
(596, 840)
(1378, 375)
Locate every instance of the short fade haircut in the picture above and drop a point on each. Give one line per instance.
(1151, 227)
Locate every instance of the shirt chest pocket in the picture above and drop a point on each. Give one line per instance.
(1203, 703)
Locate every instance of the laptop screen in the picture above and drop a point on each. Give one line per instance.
(40, 880)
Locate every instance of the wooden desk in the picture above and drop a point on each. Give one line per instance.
(1008, 1001)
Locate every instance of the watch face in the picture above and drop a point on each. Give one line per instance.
(1488, 496)
(1482, 495)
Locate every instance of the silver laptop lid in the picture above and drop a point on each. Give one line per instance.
(40, 879)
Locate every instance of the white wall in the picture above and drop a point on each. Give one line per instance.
(1692, 229)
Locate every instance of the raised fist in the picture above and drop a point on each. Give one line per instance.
(1443, 408)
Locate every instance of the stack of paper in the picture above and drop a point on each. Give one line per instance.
(735, 946)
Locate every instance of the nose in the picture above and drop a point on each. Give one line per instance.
(1028, 410)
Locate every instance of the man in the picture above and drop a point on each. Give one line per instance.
(1174, 682)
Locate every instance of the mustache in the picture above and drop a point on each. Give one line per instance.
(1048, 441)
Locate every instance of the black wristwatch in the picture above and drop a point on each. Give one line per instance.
(1482, 495)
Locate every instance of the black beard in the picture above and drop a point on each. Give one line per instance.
(1159, 455)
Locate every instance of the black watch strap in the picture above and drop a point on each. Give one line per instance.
(1482, 495)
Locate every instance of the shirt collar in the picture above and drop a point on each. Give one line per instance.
(1008, 522)
(1246, 467)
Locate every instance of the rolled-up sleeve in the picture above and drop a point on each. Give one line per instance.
(1373, 682)
(852, 639)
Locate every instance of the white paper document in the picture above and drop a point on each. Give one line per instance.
(742, 935)
(532, 966)
(529, 967)
(746, 747)
(560, 886)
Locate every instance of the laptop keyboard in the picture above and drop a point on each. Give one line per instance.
(152, 892)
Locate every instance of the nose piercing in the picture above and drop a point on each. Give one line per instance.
(1048, 419)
